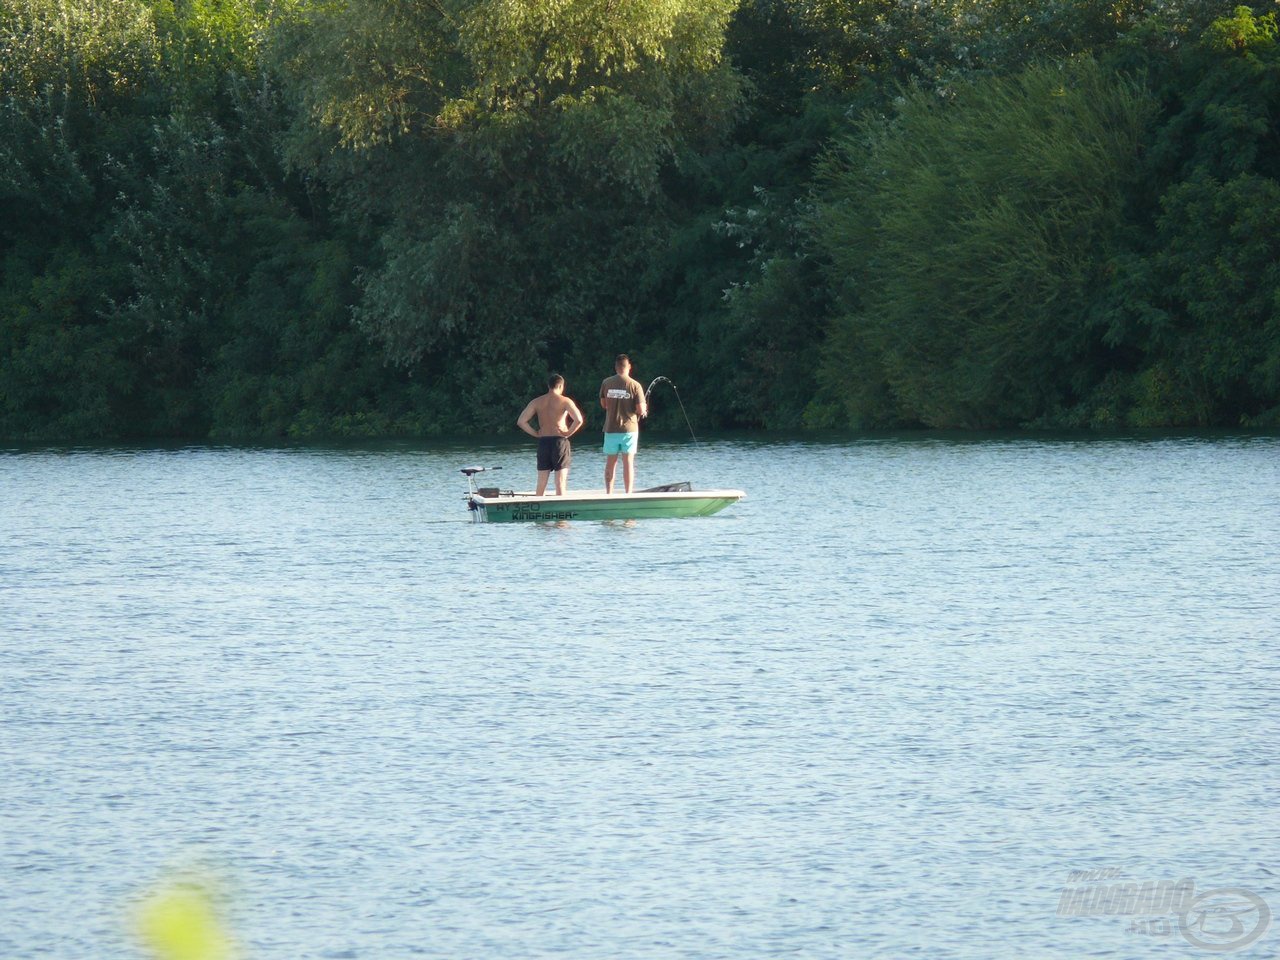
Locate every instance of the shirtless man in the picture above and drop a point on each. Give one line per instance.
(558, 419)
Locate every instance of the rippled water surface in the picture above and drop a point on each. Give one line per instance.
(881, 708)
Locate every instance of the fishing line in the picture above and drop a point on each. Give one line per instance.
(656, 381)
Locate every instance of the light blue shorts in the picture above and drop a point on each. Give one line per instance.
(615, 443)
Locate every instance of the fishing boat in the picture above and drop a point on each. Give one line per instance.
(493, 505)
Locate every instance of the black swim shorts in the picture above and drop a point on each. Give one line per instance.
(554, 453)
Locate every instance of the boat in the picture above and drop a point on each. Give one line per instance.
(493, 505)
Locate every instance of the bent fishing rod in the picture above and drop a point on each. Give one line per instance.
(658, 380)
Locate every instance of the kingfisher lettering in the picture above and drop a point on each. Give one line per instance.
(543, 514)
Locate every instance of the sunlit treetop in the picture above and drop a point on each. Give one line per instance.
(378, 69)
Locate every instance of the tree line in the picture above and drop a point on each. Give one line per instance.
(256, 219)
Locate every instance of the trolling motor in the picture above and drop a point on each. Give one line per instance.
(470, 474)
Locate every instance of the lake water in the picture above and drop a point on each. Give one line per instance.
(882, 708)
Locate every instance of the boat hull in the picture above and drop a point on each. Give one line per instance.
(523, 508)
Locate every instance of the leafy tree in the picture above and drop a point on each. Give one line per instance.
(969, 239)
(512, 156)
(256, 218)
(1199, 304)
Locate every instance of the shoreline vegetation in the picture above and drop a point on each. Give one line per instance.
(263, 220)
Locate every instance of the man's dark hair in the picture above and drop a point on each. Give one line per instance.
(555, 380)
(621, 358)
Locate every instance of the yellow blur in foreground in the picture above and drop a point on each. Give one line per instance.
(180, 922)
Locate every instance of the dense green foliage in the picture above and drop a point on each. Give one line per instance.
(973, 238)
(251, 219)
(1072, 244)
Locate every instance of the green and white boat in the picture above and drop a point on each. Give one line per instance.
(492, 505)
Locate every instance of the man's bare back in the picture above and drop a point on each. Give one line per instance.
(558, 419)
(557, 415)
